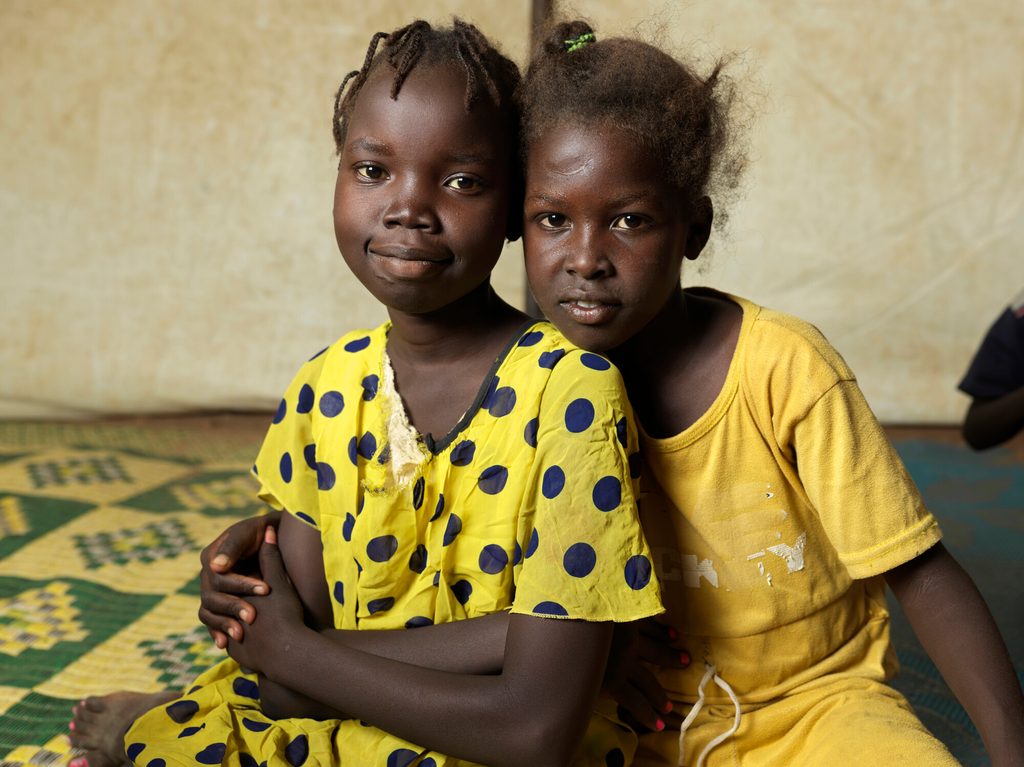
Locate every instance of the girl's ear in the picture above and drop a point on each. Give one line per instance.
(701, 215)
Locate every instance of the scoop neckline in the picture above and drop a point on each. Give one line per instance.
(438, 446)
(710, 417)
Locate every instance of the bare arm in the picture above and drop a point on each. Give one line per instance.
(535, 711)
(956, 629)
(471, 646)
(991, 422)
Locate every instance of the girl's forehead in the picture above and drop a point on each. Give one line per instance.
(431, 98)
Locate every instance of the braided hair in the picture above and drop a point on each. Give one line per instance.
(489, 74)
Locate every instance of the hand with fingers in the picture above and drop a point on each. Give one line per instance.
(230, 572)
(277, 614)
(636, 647)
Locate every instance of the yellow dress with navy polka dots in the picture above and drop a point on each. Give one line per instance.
(528, 505)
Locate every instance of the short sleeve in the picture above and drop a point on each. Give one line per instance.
(998, 366)
(868, 505)
(286, 466)
(585, 555)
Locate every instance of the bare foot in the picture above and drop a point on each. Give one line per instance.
(99, 724)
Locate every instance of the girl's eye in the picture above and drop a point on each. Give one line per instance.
(371, 172)
(628, 221)
(463, 183)
(552, 221)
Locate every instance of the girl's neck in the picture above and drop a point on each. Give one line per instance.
(478, 320)
(675, 367)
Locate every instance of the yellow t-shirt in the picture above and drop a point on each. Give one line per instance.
(772, 517)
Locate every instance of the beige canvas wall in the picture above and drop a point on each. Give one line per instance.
(166, 174)
(166, 181)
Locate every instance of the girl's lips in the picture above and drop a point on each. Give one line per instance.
(589, 312)
(408, 263)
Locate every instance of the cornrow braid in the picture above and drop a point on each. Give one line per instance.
(489, 74)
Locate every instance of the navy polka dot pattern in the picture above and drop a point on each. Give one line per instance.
(297, 751)
(418, 559)
(417, 493)
(370, 386)
(622, 431)
(309, 454)
(246, 688)
(452, 530)
(607, 493)
(306, 399)
(244, 760)
(401, 757)
(595, 361)
(346, 527)
(358, 345)
(638, 572)
(382, 548)
(502, 402)
(253, 726)
(531, 547)
(462, 591)
(182, 710)
(133, 751)
(493, 559)
(579, 415)
(550, 359)
(282, 410)
(530, 432)
(339, 592)
(286, 467)
(462, 454)
(553, 482)
(493, 479)
(418, 622)
(331, 403)
(579, 560)
(438, 508)
(531, 338)
(306, 518)
(212, 754)
(380, 605)
(325, 476)
(550, 608)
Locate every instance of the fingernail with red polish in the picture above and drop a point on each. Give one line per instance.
(667, 707)
(659, 725)
(684, 658)
(673, 634)
(71, 725)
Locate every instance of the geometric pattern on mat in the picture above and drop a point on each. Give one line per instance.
(98, 567)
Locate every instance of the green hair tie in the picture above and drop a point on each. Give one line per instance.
(582, 41)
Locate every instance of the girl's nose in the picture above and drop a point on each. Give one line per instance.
(411, 208)
(587, 259)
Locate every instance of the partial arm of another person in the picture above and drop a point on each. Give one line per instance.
(956, 629)
(991, 422)
(535, 711)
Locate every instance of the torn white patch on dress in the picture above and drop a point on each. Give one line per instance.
(755, 555)
(693, 571)
(792, 555)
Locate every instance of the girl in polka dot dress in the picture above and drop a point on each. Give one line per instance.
(462, 460)
(776, 508)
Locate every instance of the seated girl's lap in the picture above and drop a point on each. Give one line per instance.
(841, 721)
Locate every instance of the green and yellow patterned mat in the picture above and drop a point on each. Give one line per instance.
(100, 529)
